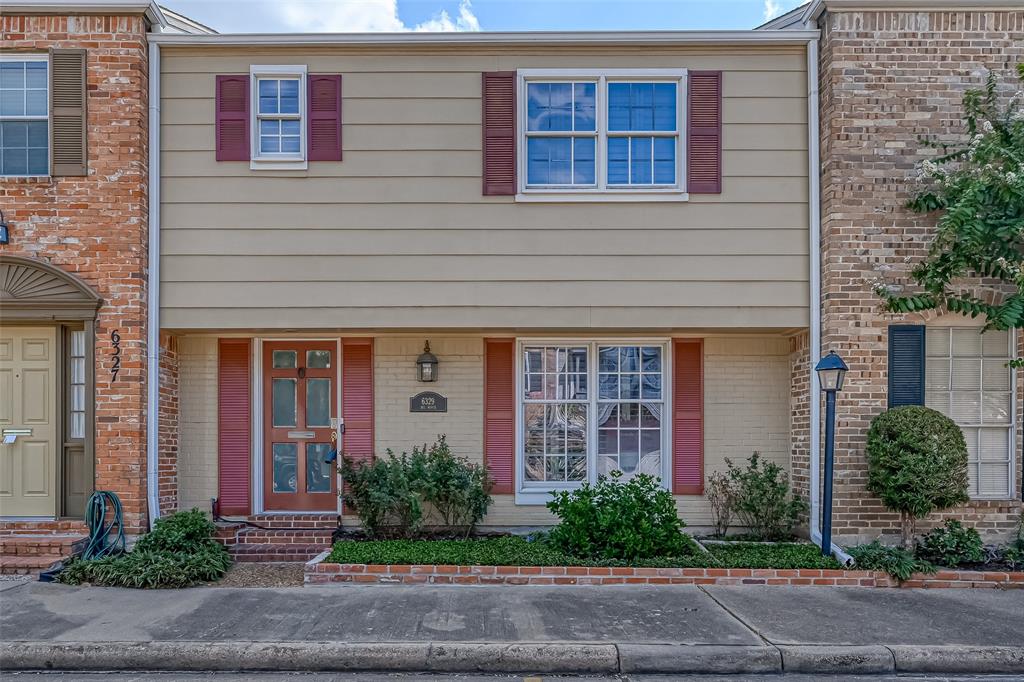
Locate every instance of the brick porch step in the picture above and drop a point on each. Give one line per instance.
(284, 536)
(276, 552)
(27, 564)
(38, 545)
(320, 520)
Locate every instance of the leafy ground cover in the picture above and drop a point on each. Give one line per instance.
(519, 551)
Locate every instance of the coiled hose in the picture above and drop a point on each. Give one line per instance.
(100, 531)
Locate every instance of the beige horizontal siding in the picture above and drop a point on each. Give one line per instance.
(398, 236)
(206, 243)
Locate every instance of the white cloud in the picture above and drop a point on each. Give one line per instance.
(772, 9)
(367, 16)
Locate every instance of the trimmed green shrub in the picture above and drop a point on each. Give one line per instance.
(397, 496)
(456, 489)
(633, 520)
(917, 463)
(383, 494)
(951, 545)
(179, 552)
(896, 561)
(762, 499)
(186, 531)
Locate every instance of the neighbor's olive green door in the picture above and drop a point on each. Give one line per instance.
(28, 408)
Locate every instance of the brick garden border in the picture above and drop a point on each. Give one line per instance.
(319, 572)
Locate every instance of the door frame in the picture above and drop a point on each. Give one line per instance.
(68, 303)
(258, 478)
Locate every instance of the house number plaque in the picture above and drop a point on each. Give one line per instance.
(428, 401)
(115, 368)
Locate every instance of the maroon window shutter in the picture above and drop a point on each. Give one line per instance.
(234, 424)
(499, 412)
(499, 124)
(704, 133)
(233, 118)
(688, 417)
(357, 398)
(324, 117)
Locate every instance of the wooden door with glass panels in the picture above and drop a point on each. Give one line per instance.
(299, 398)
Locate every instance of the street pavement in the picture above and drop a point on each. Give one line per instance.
(630, 630)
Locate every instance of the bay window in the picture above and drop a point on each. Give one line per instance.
(587, 409)
(617, 131)
(968, 380)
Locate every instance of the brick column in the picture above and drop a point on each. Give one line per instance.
(886, 78)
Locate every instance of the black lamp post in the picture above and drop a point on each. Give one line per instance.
(831, 371)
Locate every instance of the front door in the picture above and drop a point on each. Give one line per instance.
(28, 420)
(300, 398)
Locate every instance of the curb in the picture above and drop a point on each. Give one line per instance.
(492, 657)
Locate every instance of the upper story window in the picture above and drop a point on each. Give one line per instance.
(279, 95)
(24, 115)
(602, 132)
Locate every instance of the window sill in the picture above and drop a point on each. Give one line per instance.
(606, 197)
(278, 164)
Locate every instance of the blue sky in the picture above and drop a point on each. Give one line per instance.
(268, 16)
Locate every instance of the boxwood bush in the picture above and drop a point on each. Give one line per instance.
(630, 520)
(917, 463)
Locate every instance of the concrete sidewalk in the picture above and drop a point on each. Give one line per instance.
(603, 630)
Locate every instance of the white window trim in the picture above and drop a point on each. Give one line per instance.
(1011, 486)
(259, 161)
(35, 57)
(601, 192)
(541, 494)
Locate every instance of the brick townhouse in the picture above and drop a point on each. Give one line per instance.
(74, 98)
(624, 250)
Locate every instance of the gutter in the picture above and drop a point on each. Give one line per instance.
(519, 38)
(153, 291)
(814, 247)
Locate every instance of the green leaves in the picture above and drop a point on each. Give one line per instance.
(951, 545)
(179, 552)
(917, 461)
(395, 496)
(976, 191)
(897, 562)
(761, 498)
(633, 520)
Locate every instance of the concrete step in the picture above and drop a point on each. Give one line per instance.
(276, 552)
(13, 564)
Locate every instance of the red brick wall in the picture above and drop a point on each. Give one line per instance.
(169, 411)
(800, 415)
(885, 78)
(96, 227)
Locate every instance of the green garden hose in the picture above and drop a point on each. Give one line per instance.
(105, 538)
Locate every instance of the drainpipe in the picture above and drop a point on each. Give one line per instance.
(153, 303)
(814, 392)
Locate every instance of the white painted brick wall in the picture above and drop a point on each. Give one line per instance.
(197, 454)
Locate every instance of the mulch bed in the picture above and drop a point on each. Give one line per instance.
(247, 574)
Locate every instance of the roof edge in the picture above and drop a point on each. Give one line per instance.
(787, 37)
(147, 7)
(817, 7)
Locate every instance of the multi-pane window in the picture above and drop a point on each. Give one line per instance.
(968, 380)
(76, 385)
(24, 116)
(602, 131)
(279, 127)
(572, 433)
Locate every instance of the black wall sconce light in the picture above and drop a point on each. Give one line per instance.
(426, 364)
